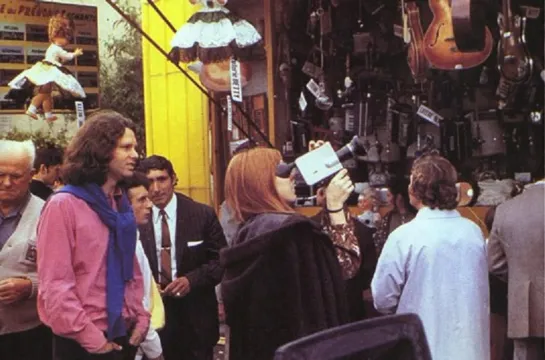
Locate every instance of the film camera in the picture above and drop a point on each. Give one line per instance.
(322, 163)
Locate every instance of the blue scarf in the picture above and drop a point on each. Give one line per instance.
(121, 247)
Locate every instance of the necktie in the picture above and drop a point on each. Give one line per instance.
(166, 262)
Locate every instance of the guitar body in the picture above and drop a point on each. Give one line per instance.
(514, 61)
(440, 45)
(415, 55)
(469, 25)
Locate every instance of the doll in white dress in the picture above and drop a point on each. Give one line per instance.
(214, 34)
(50, 73)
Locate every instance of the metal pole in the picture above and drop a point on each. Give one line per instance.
(160, 13)
(203, 90)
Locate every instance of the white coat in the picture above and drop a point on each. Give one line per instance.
(436, 267)
(151, 345)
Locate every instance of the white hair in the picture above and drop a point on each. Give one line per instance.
(10, 148)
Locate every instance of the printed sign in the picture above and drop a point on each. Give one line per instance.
(236, 82)
(80, 112)
(12, 54)
(428, 114)
(12, 31)
(35, 54)
(229, 114)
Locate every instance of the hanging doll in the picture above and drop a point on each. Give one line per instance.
(213, 34)
(50, 73)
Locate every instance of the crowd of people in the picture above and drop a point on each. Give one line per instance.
(100, 257)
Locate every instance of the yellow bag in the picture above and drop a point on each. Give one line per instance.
(157, 309)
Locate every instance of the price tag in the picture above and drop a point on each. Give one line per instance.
(314, 88)
(531, 12)
(229, 114)
(302, 102)
(236, 82)
(80, 113)
(429, 115)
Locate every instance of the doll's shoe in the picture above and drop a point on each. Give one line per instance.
(174, 55)
(32, 115)
(51, 118)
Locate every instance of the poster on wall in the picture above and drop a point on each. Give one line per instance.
(24, 40)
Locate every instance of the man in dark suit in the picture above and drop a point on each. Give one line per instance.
(182, 243)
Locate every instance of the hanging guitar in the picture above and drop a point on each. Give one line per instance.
(514, 61)
(415, 55)
(440, 46)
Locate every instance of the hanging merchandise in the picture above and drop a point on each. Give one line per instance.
(214, 34)
(217, 76)
(236, 77)
(49, 74)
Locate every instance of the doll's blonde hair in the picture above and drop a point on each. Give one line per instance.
(60, 26)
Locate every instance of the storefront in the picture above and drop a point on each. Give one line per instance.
(387, 72)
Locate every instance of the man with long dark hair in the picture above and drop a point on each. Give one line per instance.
(91, 287)
(435, 266)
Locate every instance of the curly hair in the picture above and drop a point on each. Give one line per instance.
(90, 152)
(433, 181)
(61, 26)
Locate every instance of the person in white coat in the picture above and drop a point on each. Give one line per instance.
(436, 267)
(137, 190)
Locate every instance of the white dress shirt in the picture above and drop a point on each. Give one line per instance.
(170, 211)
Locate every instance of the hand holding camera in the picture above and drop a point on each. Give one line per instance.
(338, 190)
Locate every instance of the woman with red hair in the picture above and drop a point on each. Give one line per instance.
(282, 279)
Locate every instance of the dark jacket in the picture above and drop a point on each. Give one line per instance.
(282, 281)
(40, 189)
(362, 281)
(198, 310)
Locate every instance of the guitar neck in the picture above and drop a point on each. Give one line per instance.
(507, 14)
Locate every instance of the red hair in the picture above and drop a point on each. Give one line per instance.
(250, 184)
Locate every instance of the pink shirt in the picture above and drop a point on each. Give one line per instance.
(72, 246)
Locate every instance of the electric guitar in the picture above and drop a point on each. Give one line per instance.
(415, 55)
(514, 62)
(440, 46)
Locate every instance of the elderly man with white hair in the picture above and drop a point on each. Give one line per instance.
(22, 335)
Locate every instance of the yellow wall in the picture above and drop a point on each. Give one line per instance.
(176, 110)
